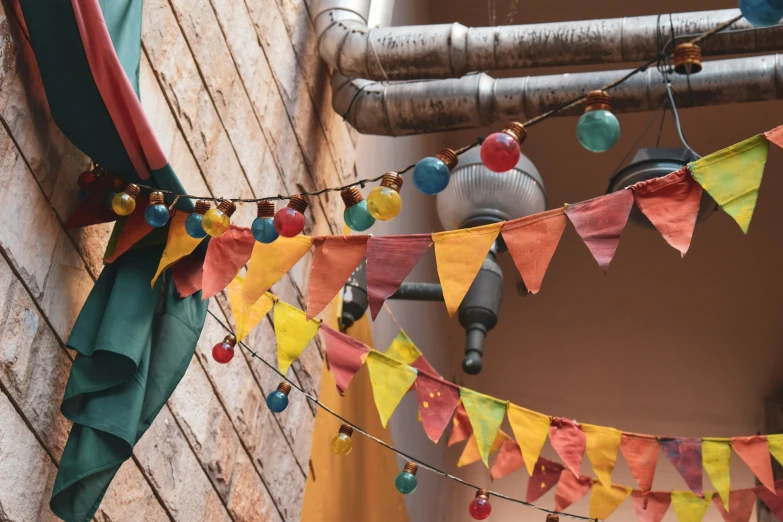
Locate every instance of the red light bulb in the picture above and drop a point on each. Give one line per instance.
(290, 221)
(480, 508)
(223, 351)
(87, 180)
(500, 151)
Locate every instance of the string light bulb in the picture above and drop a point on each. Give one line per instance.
(193, 225)
(156, 214)
(687, 59)
(431, 175)
(552, 517)
(277, 401)
(223, 351)
(217, 220)
(124, 203)
(385, 202)
(87, 180)
(480, 507)
(290, 221)
(762, 13)
(356, 214)
(500, 152)
(406, 481)
(598, 129)
(342, 443)
(263, 227)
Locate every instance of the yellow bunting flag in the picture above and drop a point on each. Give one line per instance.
(391, 380)
(270, 262)
(486, 414)
(601, 449)
(178, 245)
(732, 177)
(605, 500)
(293, 332)
(403, 349)
(689, 507)
(776, 447)
(247, 316)
(716, 460)
(530, 429)
(470, 453)
(459, 255)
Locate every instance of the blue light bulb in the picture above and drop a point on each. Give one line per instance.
(263, 229)
(598, 130)
(762, 13)
(277, 401)
(358, 217)
(431, 175)
(193, 226)
(406, 482)
(156, 214)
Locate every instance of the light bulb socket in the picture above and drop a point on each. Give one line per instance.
(597, 101)
(132, 190)
(482, 493)
(449, 157)
(202, 207)
(284, 388)
(346, 429)
(517, 131)
(156, 198)
(687, 59)
(411, 467)
(230, 339)
(298, 203)
(552, 517)
(266, 209)
(351, 196)
(227, 207)
(392, 180)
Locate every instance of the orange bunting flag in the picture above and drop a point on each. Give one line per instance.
(508, 460)
(334, 260)
(651, 508)
(389, 261)
(685, 456)
(600, 222)
(641, 454)
(471, 453)
(716, 460)
(532, 242)
(461, 429)
(345, 356)
(178, 245)
(245, 315)
(486, 414)
(605, 501)
(188, 274)
(544, 477)
(601, 449)
(569, 441)
(741, 504)
(270, 262)
(530, 429)
(437, 401)
(391, 380)
(754, 451)
(689, 507)
(459, 255)
(774, 501)
(775, 135)
(570, 489)
(226, 255)
(671, 203)
(131, 230)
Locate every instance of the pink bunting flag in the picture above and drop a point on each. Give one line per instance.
(545, 475)
(685, 456)
(774, 501)
(569, 441)
(671, 203)
(389, 261)
(461, 429)
(134, 229)
(641, 454)
(345, 356)
(334, 260)
(775, 136)
(741, 504)
(651, 508)
(600, 222)
(532, 241)
(437, 401)
(570, 489)
(508, 461)
(754, 451)
(226, 255)
(188, 273)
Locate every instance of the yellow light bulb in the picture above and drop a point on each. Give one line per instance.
(342, 443)
(217, 220)
(385, 202)
(123, 204)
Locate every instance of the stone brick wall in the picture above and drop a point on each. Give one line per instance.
(241, 104)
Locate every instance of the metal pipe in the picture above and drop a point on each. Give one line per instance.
(478, 100)
(419, 292)
(453, 50)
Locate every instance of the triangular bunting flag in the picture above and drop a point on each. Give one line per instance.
(423, 365)
(600, 222)
(508, 460)
(544, 477)
(226, 255)
(389, 261)
(345, 356)
(601, 449)
(459, 255)
(334, 260)
(293, 332)
(732, 177)
(486, 414)
(93, 209)
(605, 501)
(390, 380)
(641, 454)
(178, 245)
(403, 349)
(775, 135)
(741, 504)
(471, 454)
(716, 460)
(570, 489)
(530, 429)
(247, 316)
(689, 507)
(754, 451)
(532, 241)
(270, 262)
(569, 441)
(134, 229)
(437, 402)
(671, 203)
(775, 443)
(685, 456)
(774, 501)
(188, 274)
(461, 429)
(651, 508)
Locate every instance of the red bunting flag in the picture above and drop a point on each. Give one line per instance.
(188, 273)
(532, 241)
(437, 401)
(569, 441)
(423, 365)
(774, 501)
(545, 475)
(775, 136)
(653, 507)
(509, 460)
(134, 229)
(685, 456)
(345, 356)
(570, 489)
(754, 451)
(741, 504)
(226, 255)
(641, 454)
(389, 261)
(671, 203)
(93, 209)
(461, 429)
(600, 222)
(334, 260)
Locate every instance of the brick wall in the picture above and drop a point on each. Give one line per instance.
(241, 104)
